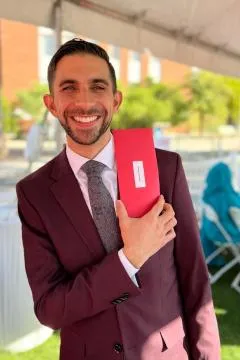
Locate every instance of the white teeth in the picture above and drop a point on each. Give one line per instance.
(85, 119)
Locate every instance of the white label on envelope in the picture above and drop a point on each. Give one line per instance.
(139, 175)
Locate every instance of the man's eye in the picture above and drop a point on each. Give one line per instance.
(68, 88)
(98, 87)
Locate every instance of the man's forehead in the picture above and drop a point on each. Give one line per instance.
(81, 63)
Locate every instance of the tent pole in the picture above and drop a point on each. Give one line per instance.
(58, 11)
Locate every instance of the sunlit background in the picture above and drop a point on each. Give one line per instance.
(191, 110)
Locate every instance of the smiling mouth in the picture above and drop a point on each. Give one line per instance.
(85, 119)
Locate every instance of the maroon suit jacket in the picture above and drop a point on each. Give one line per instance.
(87, 293)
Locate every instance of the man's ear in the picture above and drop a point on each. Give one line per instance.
(49, 103)
(117, 100)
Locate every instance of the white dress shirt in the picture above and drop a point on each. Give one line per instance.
(109, 176)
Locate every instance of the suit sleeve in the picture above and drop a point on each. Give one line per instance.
(201, 324)
(61, 298)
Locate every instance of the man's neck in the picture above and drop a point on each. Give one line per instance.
(89, 151)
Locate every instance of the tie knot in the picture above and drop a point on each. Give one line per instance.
(93, 168)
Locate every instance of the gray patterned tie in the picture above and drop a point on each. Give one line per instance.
(102, 205)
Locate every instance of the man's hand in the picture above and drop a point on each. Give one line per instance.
(143, 237)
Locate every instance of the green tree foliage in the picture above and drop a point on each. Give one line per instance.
(144, 105)
(232, 100)
(207, 94)
(176, 100)
(30, 100)
(8, 123)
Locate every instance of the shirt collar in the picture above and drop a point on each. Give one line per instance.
(106, 156)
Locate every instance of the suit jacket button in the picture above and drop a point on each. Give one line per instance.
(118, 348)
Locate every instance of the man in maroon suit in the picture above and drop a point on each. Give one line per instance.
(145, 297)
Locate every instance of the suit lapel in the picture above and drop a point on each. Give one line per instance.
(68, 194)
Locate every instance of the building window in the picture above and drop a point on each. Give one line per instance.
(135, 56)
(114, 52)
(114, 55)
(47, 47)
(49, 43)
(154, 69)
(195, 70)
(134, 67)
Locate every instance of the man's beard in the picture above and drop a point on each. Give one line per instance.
(85, 136)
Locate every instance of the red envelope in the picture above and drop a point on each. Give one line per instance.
(137, 169)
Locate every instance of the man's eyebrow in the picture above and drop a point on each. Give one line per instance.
(99, 80)
(67, 82)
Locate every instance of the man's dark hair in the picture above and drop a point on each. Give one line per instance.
(76, 46)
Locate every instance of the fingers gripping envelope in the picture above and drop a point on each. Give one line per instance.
(138, 176)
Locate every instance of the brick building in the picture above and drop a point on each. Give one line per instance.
(25, 51)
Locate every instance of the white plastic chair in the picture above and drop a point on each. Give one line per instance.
(235, 215)
(236, 282)
(211, 214)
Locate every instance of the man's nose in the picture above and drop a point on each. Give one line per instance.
(84, 98)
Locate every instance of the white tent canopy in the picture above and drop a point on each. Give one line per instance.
(202, 33)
